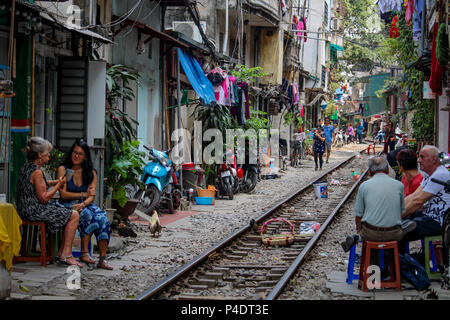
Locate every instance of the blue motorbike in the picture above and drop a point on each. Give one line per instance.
(380, 137)
(161, 184)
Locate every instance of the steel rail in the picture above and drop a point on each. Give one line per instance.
(204, 255)
(311, 243)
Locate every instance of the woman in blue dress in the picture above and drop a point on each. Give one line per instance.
(79, 193)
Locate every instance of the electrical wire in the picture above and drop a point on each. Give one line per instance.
(102, 26)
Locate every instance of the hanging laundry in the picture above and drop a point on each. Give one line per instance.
(290, 95)
(284, 7)
(244, 87)
(304, 24)
(300, 24)
(409, 5)
(393, 32)
(221, 83)
(284, 85)
(301, 111)
(417, 19)
(436, 69)
(390, 5)
(295, 94)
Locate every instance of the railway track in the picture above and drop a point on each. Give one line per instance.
(242, 267)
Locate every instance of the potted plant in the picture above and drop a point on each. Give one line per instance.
(124, 173)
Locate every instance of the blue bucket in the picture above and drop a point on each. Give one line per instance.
(204, 200)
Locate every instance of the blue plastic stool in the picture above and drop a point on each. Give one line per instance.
(351, 265)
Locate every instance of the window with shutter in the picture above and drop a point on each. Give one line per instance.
(72, 101)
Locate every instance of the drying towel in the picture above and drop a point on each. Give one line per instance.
(409, 5)
(10, 236)
(436, 69)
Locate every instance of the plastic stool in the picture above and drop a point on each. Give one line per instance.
(368, 246)
(371, 146)
(433, 272)
(46, 255)
(351, 266)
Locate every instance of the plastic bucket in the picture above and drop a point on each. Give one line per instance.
(204, 200)
(321, 189)
(206, 193)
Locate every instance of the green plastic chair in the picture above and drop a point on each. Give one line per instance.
(427, 245)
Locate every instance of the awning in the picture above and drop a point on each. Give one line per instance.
(319, 96)
(151, 32)
(336, 47)
(200, 83)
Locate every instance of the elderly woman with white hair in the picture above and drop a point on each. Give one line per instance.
(33, 198)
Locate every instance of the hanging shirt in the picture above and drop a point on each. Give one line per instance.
(295, 93)
(436, 69)
(417, 20)
(409, 5)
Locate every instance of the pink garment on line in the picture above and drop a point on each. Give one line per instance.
(409, 4)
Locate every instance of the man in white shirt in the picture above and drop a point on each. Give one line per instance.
(429, 203)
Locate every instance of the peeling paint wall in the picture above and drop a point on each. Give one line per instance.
(149, 101)
(271, 56)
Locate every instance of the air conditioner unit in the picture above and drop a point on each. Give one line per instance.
(334, 24)
(189, 29)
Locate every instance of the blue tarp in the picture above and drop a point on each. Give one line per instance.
(200, 83)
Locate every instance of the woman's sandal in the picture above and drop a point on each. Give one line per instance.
(84, 260)
(63, 260)
(103, 265)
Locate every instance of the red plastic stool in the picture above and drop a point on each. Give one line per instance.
(371, 146)
(395, 281)
(46, 256)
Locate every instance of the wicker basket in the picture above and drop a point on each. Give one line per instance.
(283, 239)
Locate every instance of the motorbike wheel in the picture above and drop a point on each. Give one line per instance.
(235, 185)
(151, 200)
(250, 183)
(229, 190)
(170, 207)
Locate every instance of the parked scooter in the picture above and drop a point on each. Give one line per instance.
(250, 177)
(227, 179)
(380, 137)
(161, 183)
(339, 140)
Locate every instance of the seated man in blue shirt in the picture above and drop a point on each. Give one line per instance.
(379, 206)
(328, 129)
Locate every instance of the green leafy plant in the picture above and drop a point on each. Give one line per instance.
(246, 74)
(126, 169)
(56, 158)
(258, 120)
(119, 126)
(288, 117)
(118, 78)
